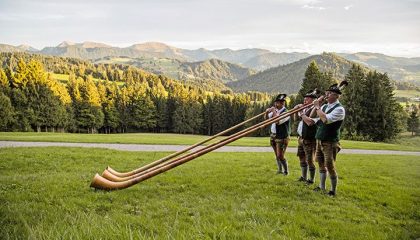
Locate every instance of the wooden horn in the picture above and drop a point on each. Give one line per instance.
(99, 182)
(157, 162)
(108, 175)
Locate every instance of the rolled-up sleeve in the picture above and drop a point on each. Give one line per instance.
(337, 114)
(284, 120)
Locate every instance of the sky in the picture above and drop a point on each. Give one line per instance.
(391, 27)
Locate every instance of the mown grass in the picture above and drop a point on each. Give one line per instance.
(44, 194)
(65, 78)
(406, 143)
(407, 93)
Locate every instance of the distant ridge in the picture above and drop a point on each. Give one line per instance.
(398, 68)
(288, 78)
(254, 58)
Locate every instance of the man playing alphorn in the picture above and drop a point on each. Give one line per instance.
(306, 141)
(331, 116)
(280, 131)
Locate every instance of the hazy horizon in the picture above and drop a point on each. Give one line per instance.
(312, 26)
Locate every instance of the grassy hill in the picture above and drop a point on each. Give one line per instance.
(288, 78)
(269, 60)
(45, 194)
(215, 69)
(164, 66)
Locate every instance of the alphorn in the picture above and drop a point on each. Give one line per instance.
(99, 182)
(109, 170)
(108, 175)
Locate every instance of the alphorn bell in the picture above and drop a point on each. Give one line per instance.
(109, 170)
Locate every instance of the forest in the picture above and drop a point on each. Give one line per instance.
(116, 98)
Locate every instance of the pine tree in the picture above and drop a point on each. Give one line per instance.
(413, 122)
(7, 112)
(353, 98)
(23, 114)
(19, 77)
(314, 78)
(382, 111)
(4, 82)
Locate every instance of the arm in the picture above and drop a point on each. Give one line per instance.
(336, 115)
(309, 121)
(317, 104)
(322, 116)
(283, 120)
(296, 116)
(267, 114)
(313, 113)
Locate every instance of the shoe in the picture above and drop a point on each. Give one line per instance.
(301, 179)
(285, 173)
(309, 182)
(331, 193)
(318, 189)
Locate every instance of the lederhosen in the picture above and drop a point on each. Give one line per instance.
(307, 142)
(282, 134)
(328, 136)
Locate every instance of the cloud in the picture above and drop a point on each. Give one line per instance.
(306, 6)
(348, 7)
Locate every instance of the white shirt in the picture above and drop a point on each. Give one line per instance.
(337, 114)
(278, 111)
(300, 125)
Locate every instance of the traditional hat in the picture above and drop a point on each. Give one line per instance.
(312, 94)
(281, 97)
(337, 88)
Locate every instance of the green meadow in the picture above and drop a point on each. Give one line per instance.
(404, 143)
(65, 78)
(45, 194)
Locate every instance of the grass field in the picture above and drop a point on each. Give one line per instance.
(44, 194)
(407, 93)
(65, 78)
(406, 143)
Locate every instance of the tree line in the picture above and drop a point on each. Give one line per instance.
(31, 99)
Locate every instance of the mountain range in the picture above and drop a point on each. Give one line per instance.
(258, 59)
(242, 70)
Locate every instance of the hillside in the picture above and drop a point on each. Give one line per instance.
(269, 60)
(214, 69)
(288, 78)
(10, 48)
(163, 66)
(398, 68)
(113, 69)
(210, 72)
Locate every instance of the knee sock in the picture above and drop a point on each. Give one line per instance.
(279, 165)
(312, 174)
(304, 171)
(284, 163)
(334, 181)
(322, 178)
